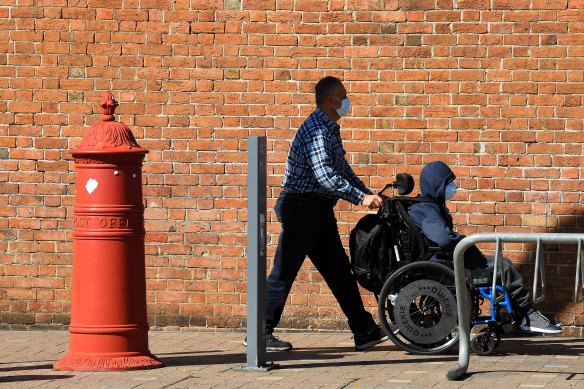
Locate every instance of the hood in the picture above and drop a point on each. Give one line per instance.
(434, 178)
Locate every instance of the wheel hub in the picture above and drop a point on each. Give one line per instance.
(425, 311)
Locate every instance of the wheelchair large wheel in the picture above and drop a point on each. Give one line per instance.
(417, 308)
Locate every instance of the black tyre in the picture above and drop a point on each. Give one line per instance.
(417, 308)
(485, 342)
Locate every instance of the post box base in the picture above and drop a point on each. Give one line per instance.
(103, 363)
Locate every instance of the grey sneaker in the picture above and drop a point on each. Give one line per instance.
(363, 342)
(274, 344)
(536, 322)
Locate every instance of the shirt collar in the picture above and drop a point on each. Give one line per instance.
(326, 120)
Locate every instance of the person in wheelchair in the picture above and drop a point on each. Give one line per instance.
(433, 219)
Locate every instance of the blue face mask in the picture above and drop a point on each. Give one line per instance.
(345, 106)
(450, 190)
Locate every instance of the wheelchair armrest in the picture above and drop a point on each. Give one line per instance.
(480, 277)
(445, 255)
(439, 250)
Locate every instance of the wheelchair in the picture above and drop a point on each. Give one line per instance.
(417, 303)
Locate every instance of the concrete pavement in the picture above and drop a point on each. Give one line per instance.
(204, 359)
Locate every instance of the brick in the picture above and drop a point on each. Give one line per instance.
(473, 4)
(413, 40)
(207, 27)
(259, 5)
(415, 5)
(360, 40)
(232, 74)
(388, 28)
(232, 4)
(309, 5)
(550, 4)
(549, 40)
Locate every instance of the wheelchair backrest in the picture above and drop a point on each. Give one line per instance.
(410, 242)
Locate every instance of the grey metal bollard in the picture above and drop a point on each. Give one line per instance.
(256, 256)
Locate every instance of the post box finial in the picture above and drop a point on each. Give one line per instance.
(109, 104)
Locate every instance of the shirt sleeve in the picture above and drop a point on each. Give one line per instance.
(353, 179)
(320, 157)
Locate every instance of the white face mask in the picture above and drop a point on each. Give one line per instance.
(450, 190)
(345, 106)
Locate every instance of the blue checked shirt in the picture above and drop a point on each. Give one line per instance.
(316, 162)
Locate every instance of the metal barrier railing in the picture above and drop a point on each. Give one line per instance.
(500, 238)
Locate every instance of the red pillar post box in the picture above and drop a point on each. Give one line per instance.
(109, 329)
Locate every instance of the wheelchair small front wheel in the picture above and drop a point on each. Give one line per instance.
(417, 308)
(485, 342)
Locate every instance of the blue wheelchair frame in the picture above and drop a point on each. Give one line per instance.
(487, 293)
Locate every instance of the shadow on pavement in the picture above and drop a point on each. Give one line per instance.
(368, 363)
(333, 356)
(27, 367)
(19, 378)
(17, 362)
(540, 346)
(569, 374)
(330, 357)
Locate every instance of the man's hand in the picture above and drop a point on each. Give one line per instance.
(372, 201)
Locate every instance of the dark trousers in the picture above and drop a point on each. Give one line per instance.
(309, 228)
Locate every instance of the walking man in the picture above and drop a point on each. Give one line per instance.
(316, 176)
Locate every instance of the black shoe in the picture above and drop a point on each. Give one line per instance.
(536, 322)
(274, 344)
(363, 342)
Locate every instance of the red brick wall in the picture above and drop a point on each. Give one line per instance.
(493, 87)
